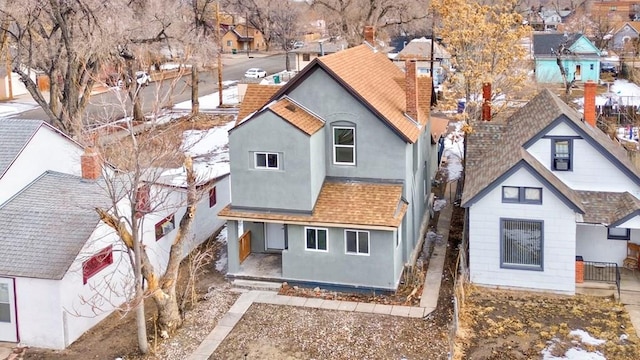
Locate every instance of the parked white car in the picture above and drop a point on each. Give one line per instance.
(255, 73)
(143, 78)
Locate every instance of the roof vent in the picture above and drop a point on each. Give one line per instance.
(291, 107)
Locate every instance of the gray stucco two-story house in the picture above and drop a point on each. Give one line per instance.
(330, 177)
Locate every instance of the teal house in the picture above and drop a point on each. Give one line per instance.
(579, 57)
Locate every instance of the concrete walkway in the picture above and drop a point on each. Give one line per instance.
(428, 302)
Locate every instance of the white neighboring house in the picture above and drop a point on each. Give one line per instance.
(55, 247)
(30, 147)
(543, 187)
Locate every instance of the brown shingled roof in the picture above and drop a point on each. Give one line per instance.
(607, 207)
(297, 116)
(255, 98)
(494, 148)
(438, 127)
(342, 203)
(373, 77)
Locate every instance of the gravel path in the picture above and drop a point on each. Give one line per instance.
(289, 332)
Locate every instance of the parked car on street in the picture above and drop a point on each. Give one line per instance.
(255, 73)
(143, 78)
(607, 67)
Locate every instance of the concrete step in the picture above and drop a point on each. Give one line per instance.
(256, 285)
(630, 297)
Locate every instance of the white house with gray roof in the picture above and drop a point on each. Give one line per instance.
(30, 147)
(543, 187)
(54, 246)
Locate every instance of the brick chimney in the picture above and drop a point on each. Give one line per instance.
(411, 89)
(590, 103)
(486, 101)
(91, 164)
(424, 96)
(370, 35)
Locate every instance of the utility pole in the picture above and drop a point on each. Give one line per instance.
(246, 28)
(219, 40)
(5, 47)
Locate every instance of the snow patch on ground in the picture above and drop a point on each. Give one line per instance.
(221, 263)
(212, 101)
(576, 352)
(439, 204)
(454, 152)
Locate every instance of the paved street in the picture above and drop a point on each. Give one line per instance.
(113, 103)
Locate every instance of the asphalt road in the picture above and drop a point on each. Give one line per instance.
(114, 103)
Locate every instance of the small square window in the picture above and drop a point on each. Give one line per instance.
(306, 57)
(511, 193)
(165, 226)
(266, 160)
(532, 194)
(616, 233)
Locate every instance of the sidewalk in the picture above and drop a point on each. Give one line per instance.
(428, 302)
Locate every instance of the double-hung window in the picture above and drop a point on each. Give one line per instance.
(344, 145)
(519, 194)
(521, 244)
(561, 154)
(265, 160)
(357, 242)
(316, 239)
(213, 199)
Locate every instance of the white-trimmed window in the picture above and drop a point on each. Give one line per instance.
(265, 160)
(316, 239)
(356, 242)
(344, 145)
(521, 244)
(399, 235)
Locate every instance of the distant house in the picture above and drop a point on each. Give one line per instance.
(541, 19)
(54, 245)
(547, 193)
(331, 175)
(580, 59)
(625, 34)
(242, 38)
(420, 50)
(311, 50)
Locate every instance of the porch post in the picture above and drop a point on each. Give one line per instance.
(233, 252)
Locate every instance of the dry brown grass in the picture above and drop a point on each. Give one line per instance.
(499, 324)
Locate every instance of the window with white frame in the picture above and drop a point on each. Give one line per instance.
(521, 244)
(265, 160)
(561, 154)
(521, 194)
(357, 242)
(616, 233)
(316, 239)
(344, 145)
(165, 226)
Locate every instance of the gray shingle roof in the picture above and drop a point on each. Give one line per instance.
(543, 43)
(14, 135)
(495, 148)
(44, 227)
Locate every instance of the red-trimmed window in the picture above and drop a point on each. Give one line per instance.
(96, 263)
(165, 226)
(212, 197)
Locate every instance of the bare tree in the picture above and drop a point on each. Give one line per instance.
(67, 41)
(347, 18)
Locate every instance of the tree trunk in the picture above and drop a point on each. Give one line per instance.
(169, 317)
(195, 102)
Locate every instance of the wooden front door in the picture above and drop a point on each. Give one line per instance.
(245, 245)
